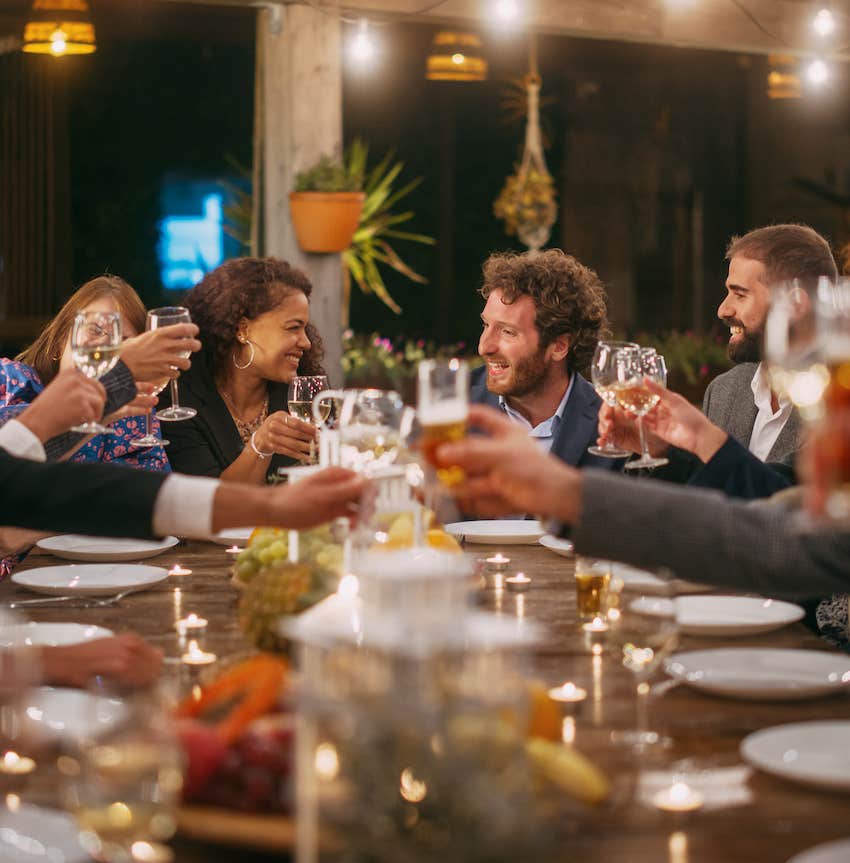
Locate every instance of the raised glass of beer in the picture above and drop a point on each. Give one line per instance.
(442, 409)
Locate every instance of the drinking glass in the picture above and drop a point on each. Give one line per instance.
(373, 429)
(603, 375)
(95, 345)
(592, 580)
(442, 408)
(165, 317)
(634, 396)
(302, 390)
(643, 631)
(126, 787)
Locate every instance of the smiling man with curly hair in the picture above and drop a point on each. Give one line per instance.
(543, 316)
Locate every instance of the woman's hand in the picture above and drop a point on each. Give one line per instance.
(285, 434)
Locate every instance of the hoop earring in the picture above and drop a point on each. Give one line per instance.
(250, 358)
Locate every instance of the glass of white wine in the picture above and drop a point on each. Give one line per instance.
(634, 396)
(302, 391)
(95, 345)
(166, 316)
(126, 785)
(603, 374)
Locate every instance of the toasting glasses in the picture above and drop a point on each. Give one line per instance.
(634, 396)
(95, 345)
(165, 317)
(603, 374)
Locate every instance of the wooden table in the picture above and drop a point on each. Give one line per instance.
(771, 820)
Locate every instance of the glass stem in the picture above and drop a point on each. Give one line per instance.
(175, 401)
(148, 430)
(644, 451)
(642, 705)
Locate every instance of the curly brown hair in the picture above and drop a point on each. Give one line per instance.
(569, 297)
(247, 288)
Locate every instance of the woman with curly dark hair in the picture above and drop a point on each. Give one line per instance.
(253, 315)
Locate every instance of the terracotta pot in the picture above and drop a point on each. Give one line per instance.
(325, 221)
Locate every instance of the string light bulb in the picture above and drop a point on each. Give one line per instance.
(506, 11)
(817, 72)
(363, 45)
(58, 42)
(824, 22)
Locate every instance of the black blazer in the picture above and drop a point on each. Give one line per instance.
(578, 427)
(209, 443)
(97, 499)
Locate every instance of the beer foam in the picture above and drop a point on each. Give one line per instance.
(443, 413)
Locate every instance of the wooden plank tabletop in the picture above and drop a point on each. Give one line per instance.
(766, 820)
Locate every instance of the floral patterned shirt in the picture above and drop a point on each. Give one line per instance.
(20, 384)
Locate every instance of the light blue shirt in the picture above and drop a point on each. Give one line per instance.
(543, 432)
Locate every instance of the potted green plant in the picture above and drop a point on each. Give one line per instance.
(326, 204)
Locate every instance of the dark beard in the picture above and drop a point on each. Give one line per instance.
(748, 350)
(529, 375)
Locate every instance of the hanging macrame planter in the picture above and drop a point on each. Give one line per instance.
(527, 203)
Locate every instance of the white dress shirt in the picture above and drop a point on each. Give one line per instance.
(183, 506)
(544, 432)
(768, 424)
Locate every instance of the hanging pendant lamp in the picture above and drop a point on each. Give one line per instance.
(456, 56)
(59, 27)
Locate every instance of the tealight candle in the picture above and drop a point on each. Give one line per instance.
(498, 562)
(191, 625)
(595, 625)
(12, 764)
(679, 797)
(569, 693)
(520, 581)
(179, 570)
(195, 656)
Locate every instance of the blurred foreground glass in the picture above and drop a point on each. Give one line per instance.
(95, 346)
(373, 429)
(126, 784)
(165, 317)
(807, 351)
(634, 396)
(302, 391)
(603, 374)
(442, 408)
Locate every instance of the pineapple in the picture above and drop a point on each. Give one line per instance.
(276, 590)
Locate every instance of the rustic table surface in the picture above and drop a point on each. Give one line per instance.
(762, 819)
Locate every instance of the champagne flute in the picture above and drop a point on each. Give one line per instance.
(165, 317)
(95, 346)
(643, 630)
(302, 390)
(634, 396)
(603, 375)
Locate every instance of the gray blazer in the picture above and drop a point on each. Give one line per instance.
(728, 403)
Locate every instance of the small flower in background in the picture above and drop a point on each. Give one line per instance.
(703, 370)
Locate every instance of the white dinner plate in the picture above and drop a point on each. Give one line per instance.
(560, 546)
(90, 579)
(52, 634)
(725, 615)
(811, 753)
(762, 674)
(830, 852)
(33, 834)
(68, 715)
(233, 536)
(498, 531)
(642, 580)
(103, 549)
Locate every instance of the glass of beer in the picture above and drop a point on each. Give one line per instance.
(592, 580)
(442, 409)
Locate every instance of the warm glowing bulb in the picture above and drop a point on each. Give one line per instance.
(458, 59)
(58, 43)
(824, 22)
(817, 72)
(362, 45)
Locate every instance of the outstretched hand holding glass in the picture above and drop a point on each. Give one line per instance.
(95, 345)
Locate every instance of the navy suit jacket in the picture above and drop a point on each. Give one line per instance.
(577, 429)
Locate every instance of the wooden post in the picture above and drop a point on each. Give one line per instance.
(299, 117)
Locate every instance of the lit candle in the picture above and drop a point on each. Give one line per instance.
(679, 797)
(13, 764)
(191, 625)
(520, 581)
(195, 656)
(234, 550)
(569, 693)
(498, 562)
(595, 625)
(179, 570)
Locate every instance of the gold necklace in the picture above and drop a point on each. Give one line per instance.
(245, 428)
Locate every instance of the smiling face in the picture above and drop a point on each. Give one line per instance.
(104, 304)
(510, 344)
(744, 310)
(279, 337)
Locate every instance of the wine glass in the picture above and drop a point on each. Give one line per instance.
(302, 390)
(95, 345)
(634, 396)
(643, 631)
(125, 789)
(165, 317)
(603, 375)
(373, 429)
